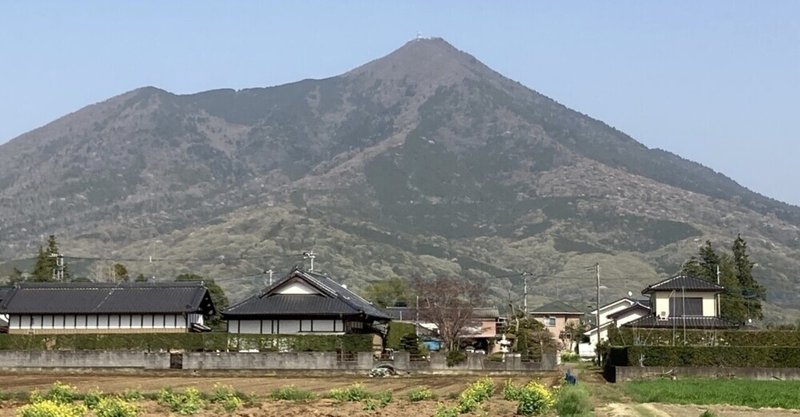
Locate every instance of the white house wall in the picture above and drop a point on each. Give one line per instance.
(286, 326)
(96, 323)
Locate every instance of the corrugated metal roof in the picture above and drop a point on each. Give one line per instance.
(333, 299)
(107, 298)
(689, 322)
(683, 282)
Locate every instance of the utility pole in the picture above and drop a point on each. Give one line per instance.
(310, 255)
(525, 292)
(597, 276)
(719, 307)
(270, 276)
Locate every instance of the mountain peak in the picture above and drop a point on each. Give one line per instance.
(424, 59)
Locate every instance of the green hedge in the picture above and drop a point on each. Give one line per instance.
(721, 356)
(670, 337)
(189, 342)
(396, 332)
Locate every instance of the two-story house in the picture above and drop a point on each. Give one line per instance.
(683, 301)
(555, 317)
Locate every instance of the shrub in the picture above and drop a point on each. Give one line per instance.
(355, 392)
(190, 402)
(570, 357)
(455, 357)
(291, 393)
(132, 395)
(511, 392)
(708, 413)
(92, 398)
(380, 401)
(534, 399)
(445, 411)
(231, 404)
(573, 400)
(58, 393)
(115, 407)
(420, 394)
(226, 396)
(50, 408)
(475, 394)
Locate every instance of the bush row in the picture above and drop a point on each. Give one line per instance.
(193, 342)
(725, 356)
(668, 337)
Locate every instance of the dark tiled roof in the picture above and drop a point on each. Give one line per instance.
(683, 282)
(107, 298)
(689, 322)
(557, 307)
(333, 300)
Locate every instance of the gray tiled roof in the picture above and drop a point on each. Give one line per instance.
(689, 322)
(333, 300)
(107, 298)
(557, 307)
(683, 282)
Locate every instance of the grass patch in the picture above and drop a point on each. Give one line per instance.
(750, 393)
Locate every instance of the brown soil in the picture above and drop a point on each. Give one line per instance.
(445, 387)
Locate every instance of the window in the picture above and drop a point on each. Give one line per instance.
(550, 322)
(685, 306)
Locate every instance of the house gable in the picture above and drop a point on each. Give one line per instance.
(296, 286)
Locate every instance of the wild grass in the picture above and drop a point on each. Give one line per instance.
(750, 393)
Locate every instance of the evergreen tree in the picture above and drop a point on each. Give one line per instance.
(121, 273)
(751, 291)
(43, 268)
(47, 263)
(734, 305)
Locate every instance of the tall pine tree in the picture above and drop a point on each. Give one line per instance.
(47, 263)
(734, 302)
(752, 292)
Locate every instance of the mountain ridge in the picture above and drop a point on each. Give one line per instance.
(425, 155)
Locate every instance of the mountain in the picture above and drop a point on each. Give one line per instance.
(422, 162)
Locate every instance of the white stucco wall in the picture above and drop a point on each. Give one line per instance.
(286, 326)
(54, 323)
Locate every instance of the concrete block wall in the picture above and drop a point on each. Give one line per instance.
(83, 359)
(627, 373)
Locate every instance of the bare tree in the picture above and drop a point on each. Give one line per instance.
(449, 303)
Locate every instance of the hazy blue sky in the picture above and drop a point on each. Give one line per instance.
(717, 82)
